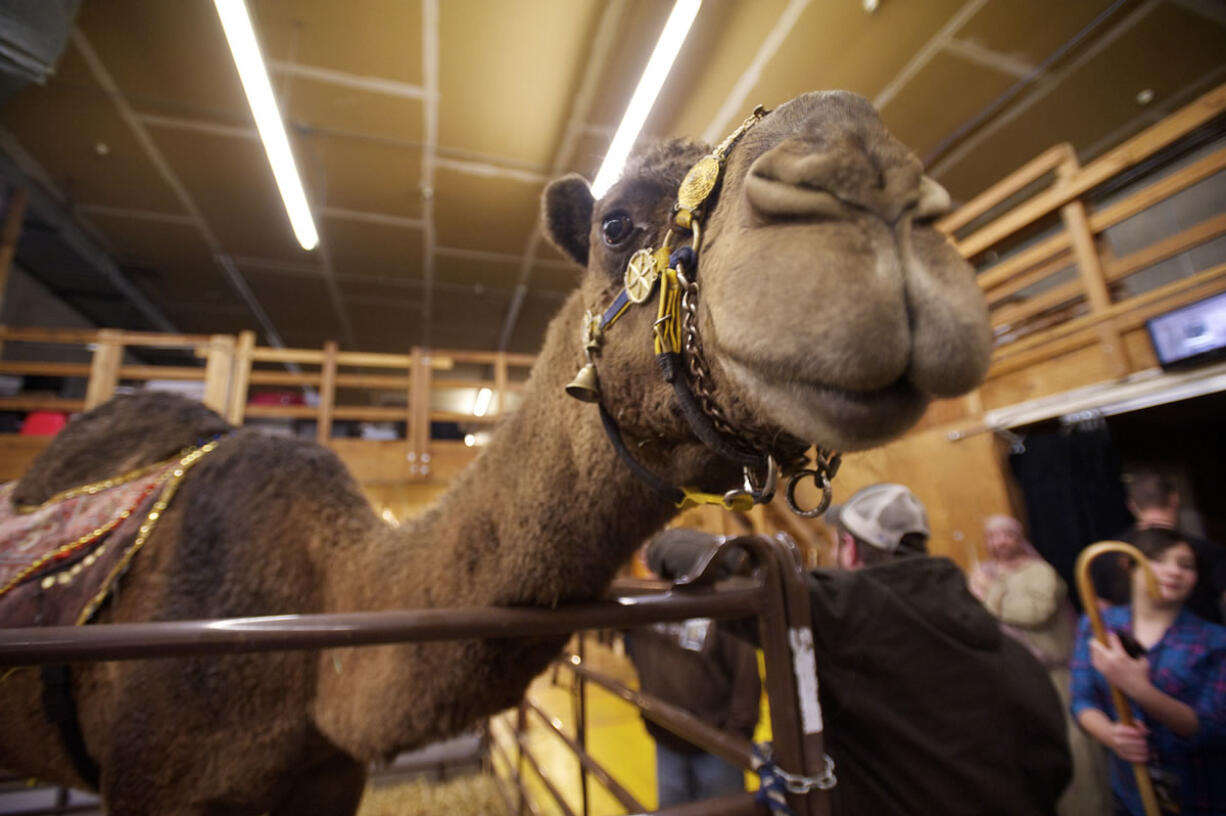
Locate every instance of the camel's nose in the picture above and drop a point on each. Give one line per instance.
(793, 180)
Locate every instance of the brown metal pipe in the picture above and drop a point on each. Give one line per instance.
(549, 786)
(514, 777)
(130, 641)
(778, 563)
(623, 796)
(681, 722)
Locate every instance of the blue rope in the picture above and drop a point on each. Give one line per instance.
(773, 788)
(685, 256)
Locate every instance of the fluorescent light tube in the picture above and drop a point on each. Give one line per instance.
(482, 402)
(661, 62)
(236, 22)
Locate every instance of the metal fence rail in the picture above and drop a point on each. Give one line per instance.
(775, 595)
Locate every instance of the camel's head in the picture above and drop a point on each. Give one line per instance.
(829, 307)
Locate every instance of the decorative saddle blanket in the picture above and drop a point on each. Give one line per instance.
(60, 560)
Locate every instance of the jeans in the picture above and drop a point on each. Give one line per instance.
(682, 778)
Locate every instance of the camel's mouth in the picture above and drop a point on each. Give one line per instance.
(828, 415)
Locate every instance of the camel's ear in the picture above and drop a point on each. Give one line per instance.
(566, 209)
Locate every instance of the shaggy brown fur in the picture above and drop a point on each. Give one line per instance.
(830, 311)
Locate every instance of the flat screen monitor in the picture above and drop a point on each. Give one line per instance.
(1190, 335)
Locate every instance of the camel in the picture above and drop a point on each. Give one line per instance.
(830, 311)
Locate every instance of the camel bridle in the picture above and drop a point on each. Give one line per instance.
(678, 350)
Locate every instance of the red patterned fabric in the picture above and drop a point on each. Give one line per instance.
(62, 558)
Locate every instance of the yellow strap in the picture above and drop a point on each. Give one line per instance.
(668, 315)
(742, 502)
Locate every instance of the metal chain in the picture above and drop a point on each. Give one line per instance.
(700, 375)
(700, 381)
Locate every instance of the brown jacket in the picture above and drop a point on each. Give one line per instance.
(697, 666)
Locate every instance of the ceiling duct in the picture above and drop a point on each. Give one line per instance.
(33, 34)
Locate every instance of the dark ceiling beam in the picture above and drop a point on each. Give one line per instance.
(172, 180)
(44, 206)
(430, 81)
(733, 108)
(343, 79)
(601, 51)
(936, 44)
(1042, 85)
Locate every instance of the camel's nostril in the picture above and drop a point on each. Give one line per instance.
(778, 199)
(934, 200)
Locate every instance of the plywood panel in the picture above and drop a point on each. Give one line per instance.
(362, 174)
(1083, 366)
(477, 273)
(722, 43)
(960, 483)
(1030, 30)
(177, 263)
(509, 74)
(590, 149)
(502, 223)
(468, 321)
(838, 45)
(1140, 349)
(389, 326)
(232, 184)
(535, 315)
(203, 319)
(920, 124)
(1167, 52)
(334, 107)
(296, 303)
(122, 178)
(378, 38)
(555, 278)
(169, 58)
(380, 462)
(361, 248)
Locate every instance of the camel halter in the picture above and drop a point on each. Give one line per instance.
(678, 352)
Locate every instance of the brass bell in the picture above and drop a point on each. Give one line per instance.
(585, 387)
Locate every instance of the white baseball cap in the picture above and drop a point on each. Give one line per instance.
(881, 515)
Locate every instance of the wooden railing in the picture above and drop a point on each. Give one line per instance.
(230, 376)
(1042, 221)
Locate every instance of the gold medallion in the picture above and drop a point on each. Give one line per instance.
(641, 276)
(699, 183)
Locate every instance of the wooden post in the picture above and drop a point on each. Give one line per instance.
(104, 369)
(327, 394)
(241, 377)
(500, 384)
(419, 415)
(1090, 268)
(10, 232)
(219, 363)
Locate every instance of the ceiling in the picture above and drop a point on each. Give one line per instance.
(426, 129)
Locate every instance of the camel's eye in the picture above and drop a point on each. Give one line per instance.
(616, 228)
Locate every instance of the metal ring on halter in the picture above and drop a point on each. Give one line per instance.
(761, 494)
(821, 480)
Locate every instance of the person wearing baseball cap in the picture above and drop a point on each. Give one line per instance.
(928, 707)
(877, 524)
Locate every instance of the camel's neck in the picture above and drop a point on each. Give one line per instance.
(546, 513)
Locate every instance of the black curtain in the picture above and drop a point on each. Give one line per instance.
(1070, 479)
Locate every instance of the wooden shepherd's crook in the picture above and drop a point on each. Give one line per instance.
(1089, 602)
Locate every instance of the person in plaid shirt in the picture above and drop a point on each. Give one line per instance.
(1176, 681)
